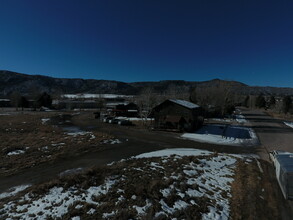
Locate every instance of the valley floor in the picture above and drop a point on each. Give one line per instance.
(28, 158)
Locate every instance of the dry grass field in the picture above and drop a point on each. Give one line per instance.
(30, 139)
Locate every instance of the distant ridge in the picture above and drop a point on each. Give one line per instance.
(26, 84)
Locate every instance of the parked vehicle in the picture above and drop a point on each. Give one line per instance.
(283, 162)
(107, 119)
(114, 121)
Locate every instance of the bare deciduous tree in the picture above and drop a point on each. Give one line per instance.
(15, 99)
(146, 101)
(219, 96)
(177, 92)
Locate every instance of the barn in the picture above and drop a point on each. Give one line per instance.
(178, 114)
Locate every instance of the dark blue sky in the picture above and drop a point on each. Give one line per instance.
(247, 41)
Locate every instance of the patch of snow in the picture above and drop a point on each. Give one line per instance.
(290, 124)
(13, 191)
(176, 151)
(111, 141)
(16, 152)
(55, 203)
(44, 120)
(78, 133)
(240, 119)
(78, 206)
(108, 215)
(71, 171)
(221, 119)
(91, 211)
(141, 210)
(135, 119)
(224, 135)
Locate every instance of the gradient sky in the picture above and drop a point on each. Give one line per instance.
(247, 41)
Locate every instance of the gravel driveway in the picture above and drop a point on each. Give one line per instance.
(272, 133)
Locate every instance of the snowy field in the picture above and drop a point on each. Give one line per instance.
(180, 183)
(290, 124)
(224, 135)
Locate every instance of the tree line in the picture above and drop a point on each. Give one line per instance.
(40, 100)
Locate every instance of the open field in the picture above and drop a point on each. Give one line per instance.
(175, 186)
(29, 139)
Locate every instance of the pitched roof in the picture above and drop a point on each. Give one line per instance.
(184, 103)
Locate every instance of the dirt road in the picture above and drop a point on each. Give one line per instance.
(272, 133)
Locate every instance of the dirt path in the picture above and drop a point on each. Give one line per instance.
(272, 133)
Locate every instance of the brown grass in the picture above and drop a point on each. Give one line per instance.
(247, 194)
(41, 142)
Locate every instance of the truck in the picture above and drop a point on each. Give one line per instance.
(283, 162)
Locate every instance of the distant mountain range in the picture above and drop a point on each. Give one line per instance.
(28, 84)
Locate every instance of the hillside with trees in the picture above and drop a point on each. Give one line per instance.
(30, 84)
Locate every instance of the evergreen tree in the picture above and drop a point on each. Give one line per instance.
(23, 102)
(45, 100)
(272, 102)
(246, 101)
(260, 101)
(287, 104)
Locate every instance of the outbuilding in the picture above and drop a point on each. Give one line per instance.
(178, 115)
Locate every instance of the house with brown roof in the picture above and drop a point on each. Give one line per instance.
(178, 114)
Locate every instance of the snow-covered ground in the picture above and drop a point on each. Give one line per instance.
(13, 191)
(175, 151)
(201, 181)
(16, 152)
(290, 124)
(44, 120)
(224, 135)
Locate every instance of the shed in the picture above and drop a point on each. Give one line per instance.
(178, 114)
(284, 174)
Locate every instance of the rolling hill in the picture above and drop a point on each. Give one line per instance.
(28, 84)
